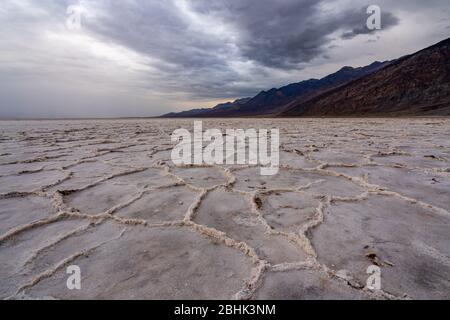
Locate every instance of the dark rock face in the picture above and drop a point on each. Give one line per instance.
(414, 85)
(277, 100)
(418, 84)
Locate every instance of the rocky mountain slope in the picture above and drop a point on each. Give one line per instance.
(276, 100)
(418, 84)
(414, 85)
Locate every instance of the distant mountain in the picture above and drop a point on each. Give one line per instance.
(417, 84)
(205, 111)
(276, 100)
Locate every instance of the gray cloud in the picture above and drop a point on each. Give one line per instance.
(291, 33)
(276, 34)
(161, 55)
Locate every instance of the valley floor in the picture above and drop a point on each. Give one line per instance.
(104, 195)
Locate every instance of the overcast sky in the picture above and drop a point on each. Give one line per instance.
(148, 57)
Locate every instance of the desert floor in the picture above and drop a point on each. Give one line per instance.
(105, 196)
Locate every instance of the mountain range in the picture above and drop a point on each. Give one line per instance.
(413, 85)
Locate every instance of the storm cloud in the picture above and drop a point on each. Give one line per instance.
(147, 57)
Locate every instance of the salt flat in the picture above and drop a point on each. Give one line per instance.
(105, 196)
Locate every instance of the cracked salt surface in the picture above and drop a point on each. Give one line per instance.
(104, 195)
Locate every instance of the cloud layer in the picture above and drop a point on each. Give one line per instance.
(146, 57)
